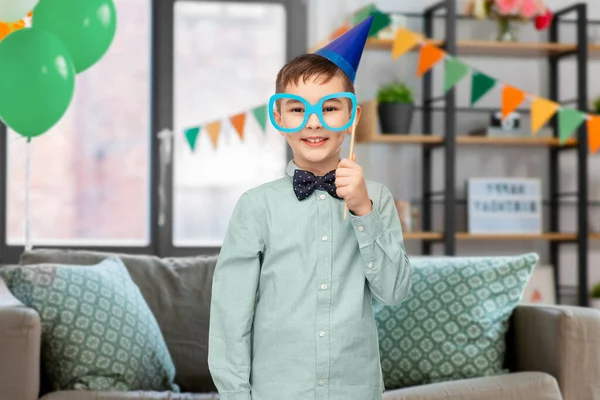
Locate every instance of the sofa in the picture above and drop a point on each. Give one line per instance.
(553, 352)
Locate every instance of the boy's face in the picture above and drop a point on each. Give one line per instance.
(316, 148)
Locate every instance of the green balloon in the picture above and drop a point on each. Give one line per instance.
(37, 81)
(86, 27)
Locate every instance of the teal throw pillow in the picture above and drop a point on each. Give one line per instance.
(97, 330)
(453, 323)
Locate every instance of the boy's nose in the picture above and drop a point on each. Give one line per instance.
(313, 122)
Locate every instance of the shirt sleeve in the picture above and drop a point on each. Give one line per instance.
(386, 265)
(234, 288)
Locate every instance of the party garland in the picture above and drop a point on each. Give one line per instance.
(542, 109)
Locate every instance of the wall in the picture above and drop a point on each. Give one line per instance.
(399, 166)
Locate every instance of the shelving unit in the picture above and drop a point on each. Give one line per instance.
(554, 51)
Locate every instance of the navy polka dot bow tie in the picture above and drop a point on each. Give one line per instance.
(305, 183)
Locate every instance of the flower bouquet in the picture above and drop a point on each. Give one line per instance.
(505, 11)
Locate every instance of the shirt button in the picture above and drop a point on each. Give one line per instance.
(324, 238)
(322, 334)
(322, 197)
(360, 228)
(370, 265)
(324, 286)
(321, 382)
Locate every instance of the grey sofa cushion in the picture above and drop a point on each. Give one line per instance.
(86, 395)
(178, 292)
(521, 385)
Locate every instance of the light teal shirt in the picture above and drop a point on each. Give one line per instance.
(291, 313)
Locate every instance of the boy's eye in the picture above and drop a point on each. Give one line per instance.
(297, 109)
(329, 109)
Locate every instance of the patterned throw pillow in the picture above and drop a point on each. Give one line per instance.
(97, 331)
(452, 324)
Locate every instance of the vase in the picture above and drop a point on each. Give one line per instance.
(395, 118)
(505, 31)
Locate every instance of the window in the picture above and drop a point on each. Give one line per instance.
(97, 181)
(226, 58)
(90, 173)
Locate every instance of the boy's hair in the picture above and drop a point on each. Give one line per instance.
(308, 66)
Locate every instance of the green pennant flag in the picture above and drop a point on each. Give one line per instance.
(260, 113)
(455, 70)
(191, 135)
(380, 22)
(364, 13)
(480, 85)
(568, 121)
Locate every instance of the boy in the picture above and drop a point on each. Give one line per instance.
(291, 314)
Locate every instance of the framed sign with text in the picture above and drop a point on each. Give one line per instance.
(504, 205)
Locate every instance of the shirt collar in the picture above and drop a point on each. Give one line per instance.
(291, 168)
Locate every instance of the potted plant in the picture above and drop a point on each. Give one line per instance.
(595, 296)
(596, 108)
(395, 108)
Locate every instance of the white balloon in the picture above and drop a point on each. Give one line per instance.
(14, 10)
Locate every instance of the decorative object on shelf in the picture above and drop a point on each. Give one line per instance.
(505, 12)
(569, 119)
(504, 205)
(395, 106)
(405, 214)
(595, 296)
(540, 288)
(510, 126)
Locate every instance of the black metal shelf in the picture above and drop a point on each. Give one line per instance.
(447, 104)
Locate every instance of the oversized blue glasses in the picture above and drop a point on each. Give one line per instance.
(294, 111)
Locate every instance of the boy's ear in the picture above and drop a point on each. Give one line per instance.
(277, 116)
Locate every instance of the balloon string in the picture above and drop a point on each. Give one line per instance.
(27, 184)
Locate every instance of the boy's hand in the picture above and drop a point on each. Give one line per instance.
(351, 186)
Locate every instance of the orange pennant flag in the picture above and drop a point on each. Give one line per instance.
(541, 111)
(593, 132)
(511, 99)
(238, 122)
(430, 55)
(340, 31)
(214, 129)
(405, 40)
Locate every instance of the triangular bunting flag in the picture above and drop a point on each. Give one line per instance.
(405, 40)
(480, 85)
(455, 71)
(238, 121)
(260, 113)
(541, 111)
(511, 99)
(191, 135)
(214, 129)
(363, 13)
(429, 56)
(568, 121)
(380, 22)
(340, 31)
(593, 133)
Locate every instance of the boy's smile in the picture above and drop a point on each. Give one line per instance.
(317, 149)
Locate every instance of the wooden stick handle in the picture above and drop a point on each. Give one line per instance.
(350, 156)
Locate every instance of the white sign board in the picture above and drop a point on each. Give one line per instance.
(504, 205)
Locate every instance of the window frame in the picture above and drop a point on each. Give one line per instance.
(161, 111)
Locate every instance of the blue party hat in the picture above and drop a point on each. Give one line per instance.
(346, 50)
